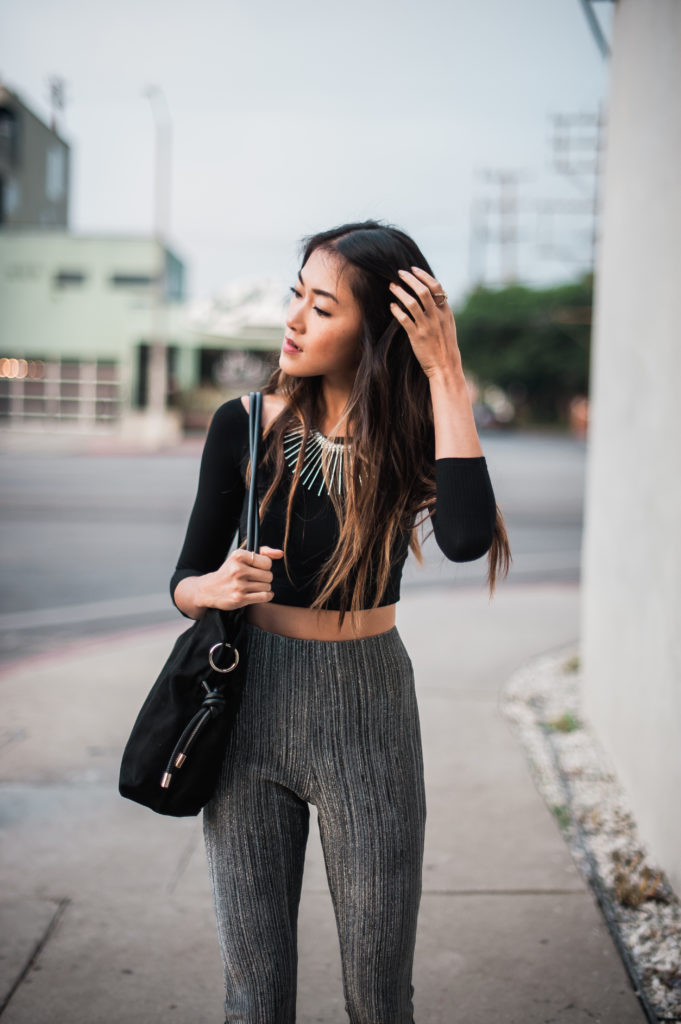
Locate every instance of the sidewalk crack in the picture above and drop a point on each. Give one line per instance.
(37, 950)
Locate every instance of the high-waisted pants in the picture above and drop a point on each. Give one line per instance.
(334, 723)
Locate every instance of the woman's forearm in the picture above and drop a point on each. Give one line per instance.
(190, 595)
(456, 433)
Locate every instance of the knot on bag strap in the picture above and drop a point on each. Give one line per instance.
(214, 701)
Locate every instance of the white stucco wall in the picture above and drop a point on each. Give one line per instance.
(631, 556)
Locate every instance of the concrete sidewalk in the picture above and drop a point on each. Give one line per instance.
(107, 914)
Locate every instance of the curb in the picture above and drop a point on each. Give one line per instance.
(573, 774)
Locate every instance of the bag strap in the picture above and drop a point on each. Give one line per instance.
(253, 521)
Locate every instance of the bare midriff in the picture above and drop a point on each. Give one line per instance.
(319, 624)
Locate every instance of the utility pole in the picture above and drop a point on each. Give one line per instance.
(57, 98)
(576, 154)
(156, 370)
(508, 206)
(477, 241)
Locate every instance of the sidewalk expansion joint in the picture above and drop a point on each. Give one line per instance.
(60, 909)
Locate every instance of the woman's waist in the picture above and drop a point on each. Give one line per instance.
(320, 624)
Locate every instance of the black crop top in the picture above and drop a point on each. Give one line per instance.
(463, 523)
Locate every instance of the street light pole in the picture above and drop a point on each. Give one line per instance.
(156, 371)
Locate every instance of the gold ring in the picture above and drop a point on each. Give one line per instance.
(440, 295)
(216, 668)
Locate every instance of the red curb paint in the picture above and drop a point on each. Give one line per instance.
(74, 647)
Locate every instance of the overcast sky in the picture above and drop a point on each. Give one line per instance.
(291, 118)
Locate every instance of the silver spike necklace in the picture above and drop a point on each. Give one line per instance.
(323, 455)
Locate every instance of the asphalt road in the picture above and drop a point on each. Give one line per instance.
(89, 542)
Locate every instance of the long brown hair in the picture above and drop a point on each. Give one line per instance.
(389, 470)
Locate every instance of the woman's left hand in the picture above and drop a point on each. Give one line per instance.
(431, 328)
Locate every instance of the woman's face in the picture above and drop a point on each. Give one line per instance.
(324, 327)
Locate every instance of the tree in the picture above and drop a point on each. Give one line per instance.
(533, 343)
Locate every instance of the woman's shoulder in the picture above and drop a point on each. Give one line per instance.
(231, 416)
(230, 420)
(272, 405)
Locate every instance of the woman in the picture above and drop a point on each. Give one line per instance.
(367, 424)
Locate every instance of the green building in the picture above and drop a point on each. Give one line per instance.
(85, 318)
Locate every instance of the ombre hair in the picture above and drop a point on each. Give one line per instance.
(389, 416)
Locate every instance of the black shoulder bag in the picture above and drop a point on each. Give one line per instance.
(173, 757)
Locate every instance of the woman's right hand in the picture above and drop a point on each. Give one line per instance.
(243, 578)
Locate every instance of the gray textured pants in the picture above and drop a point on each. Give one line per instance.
(335, 724)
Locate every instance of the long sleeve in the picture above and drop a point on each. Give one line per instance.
(217, 507)
(465, 510)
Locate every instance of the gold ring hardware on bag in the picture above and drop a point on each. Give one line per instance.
(212, 663)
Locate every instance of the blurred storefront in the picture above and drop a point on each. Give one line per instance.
(76, 321)
(91, 323)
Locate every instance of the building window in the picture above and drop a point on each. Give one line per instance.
(11, 198)
(134, 280)
(64, 278)
(70, 369)
(107, 370)
(51, 390)
(9, 137)
(174, 283)
(55, 173)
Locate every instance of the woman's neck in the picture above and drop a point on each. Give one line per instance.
(334, 399)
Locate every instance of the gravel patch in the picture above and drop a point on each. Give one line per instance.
(577, 780)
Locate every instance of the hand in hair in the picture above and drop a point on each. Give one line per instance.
(430, 328)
